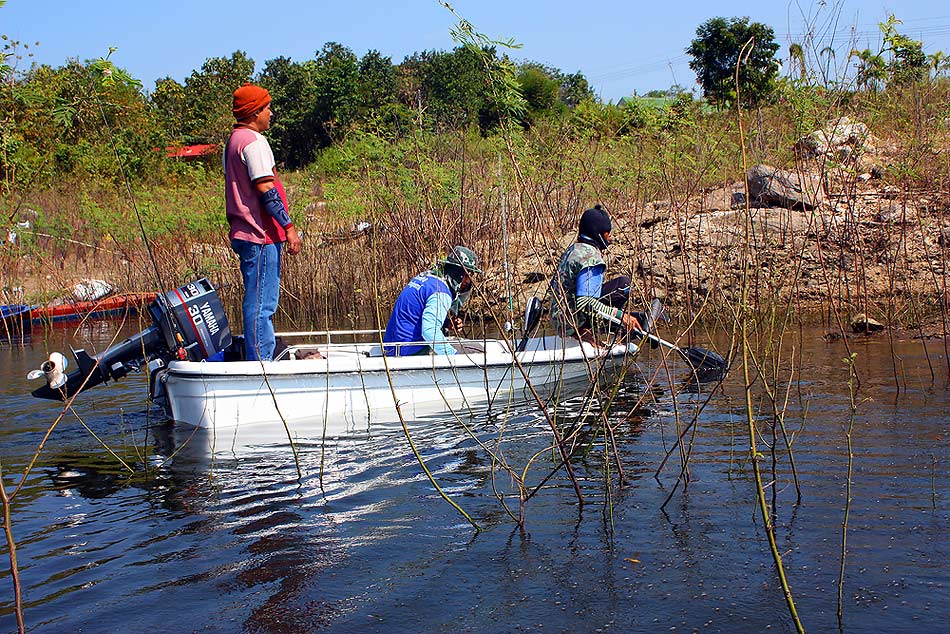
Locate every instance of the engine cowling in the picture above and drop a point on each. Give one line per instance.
(189, 324)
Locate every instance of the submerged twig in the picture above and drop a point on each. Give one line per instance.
(11, 549)
(852, 406)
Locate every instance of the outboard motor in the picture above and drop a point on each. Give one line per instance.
(190, 325)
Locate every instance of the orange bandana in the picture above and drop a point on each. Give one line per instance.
(249, 100)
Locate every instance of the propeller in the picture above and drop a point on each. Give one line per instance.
(54, 369)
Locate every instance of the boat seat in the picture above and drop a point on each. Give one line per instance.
(461, 347)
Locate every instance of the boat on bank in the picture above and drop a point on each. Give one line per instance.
(23, 317)
(111, 306)
(15, 318)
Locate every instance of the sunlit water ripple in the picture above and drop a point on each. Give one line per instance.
(360, 541)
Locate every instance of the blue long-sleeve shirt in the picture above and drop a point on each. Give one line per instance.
(433, 317)
(418, 315)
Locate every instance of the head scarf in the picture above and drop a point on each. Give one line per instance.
(594, 224)
(249, 100)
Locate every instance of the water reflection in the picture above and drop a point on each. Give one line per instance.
(358, 541)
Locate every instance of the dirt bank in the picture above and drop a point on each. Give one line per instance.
(852, 242)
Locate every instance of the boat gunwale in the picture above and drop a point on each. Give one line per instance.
(358, 363)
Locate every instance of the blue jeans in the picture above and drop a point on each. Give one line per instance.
(260, 268)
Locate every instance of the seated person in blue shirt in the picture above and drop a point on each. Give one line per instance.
(426, 302)
(583, 301)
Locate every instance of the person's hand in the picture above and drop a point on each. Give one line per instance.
(630, 323)
(455, 322)
(294, 243)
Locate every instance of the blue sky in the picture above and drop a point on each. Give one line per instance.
(621, 46)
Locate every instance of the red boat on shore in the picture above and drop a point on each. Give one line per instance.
(21, 317)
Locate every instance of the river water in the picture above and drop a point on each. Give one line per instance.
(360, 541)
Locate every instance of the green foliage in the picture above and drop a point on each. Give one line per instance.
(322, 100)
(449, 87)
(681, 112)
(499, 72)
(294, 130)
(74, 120)
(60, 121)
(637, 114)
(899, 62)
(200, 111)
(343, 197)
(575, 89)
(908, 62)
(102, 220)
(716, 52)
(673, 91)
(172, 105)
(872, 69)
(335, 94)
(377, 87)
(541, 91)
(808, 105)
(596, 119)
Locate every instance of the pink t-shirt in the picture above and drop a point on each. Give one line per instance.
(248, 157)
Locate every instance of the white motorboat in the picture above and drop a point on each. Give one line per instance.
(328, 383)
(342, 387)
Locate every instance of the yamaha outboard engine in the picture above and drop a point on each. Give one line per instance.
(190, 325)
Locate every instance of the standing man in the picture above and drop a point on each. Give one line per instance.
(583, 301)
(428, 301)
(257, 214)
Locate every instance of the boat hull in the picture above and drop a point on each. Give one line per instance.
(15, 318)
(95, 309)
(21, 317)
(349, 388)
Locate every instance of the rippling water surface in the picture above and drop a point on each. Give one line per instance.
(360, 541)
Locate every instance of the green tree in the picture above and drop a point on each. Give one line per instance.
(871, 69)
(575, 89)
(715, 52)
(172, 108)
(937, 62)
(541, 90)
(207, 116)
(295, 129)
(377, 83)
(504, 100)
(74, 118)
(11, 55)
(899, 61)
(453, 86)
(336, 85)
(908, 62)
(379, 105)
(670, 93)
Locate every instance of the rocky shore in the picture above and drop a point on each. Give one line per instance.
(832, 234)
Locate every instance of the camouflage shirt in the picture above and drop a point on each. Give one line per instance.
(564, 312)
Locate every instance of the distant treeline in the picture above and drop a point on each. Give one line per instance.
(56, 117)
(68, 122)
